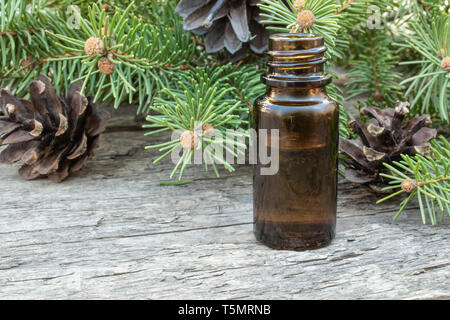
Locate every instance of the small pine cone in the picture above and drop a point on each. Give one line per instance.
(52, 136)
(306, 19)
(441, 53)
(208, 130)
(106, 7)
(299, 4)
(28, 63)
(445, 64)
(94, 46)
(188, 140)
(409, 185)
(106, 66)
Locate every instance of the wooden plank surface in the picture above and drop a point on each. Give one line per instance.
(110, 231)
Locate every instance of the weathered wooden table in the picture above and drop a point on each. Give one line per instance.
(111, 231)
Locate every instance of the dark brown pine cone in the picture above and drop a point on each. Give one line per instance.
(230, 24)
(383, 139)
(51, 135)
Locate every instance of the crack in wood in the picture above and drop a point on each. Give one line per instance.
(117, 274)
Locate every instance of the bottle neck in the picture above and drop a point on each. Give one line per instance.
(296, 61)
(293, 91)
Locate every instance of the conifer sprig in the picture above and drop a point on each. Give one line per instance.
(137, 59)
(336, 94)
(430, 38)
(424, 178)
(209, 101)
(282, 16)
(355, 18)
(334, 20)
(373, 70)
(144, 56)
(25, 47)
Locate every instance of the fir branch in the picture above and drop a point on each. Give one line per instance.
(334, 20)
(247, 84)
(15, 32)
(431, 6)
(336, 94)
(208, 98)
(344, 6)
(355, 18)
(281, 16)
(143, 56)
(429, 87)
(25, 55)
(372, 70)
(138, 51)
(424, 178)
(353, 13)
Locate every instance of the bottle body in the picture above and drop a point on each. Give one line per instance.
(295, 208)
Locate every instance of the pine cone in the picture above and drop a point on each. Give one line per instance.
(306, 19)
(208, 130)
(225, 23)
(105, 65)
(51, 135)
(383, 139)
(299, 4)
(189, 140)
(94, 46)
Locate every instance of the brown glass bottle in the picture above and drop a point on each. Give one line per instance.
(296, 207)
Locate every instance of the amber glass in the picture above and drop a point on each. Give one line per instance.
(296, 208)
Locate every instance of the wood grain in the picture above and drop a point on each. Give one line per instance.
(111, 232)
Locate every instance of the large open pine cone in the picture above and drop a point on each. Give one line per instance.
(233, 24)
(51, 135)
(383, 139)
